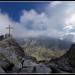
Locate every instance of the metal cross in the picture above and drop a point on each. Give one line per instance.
(9, 28)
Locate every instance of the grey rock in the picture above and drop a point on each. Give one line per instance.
(1, 70)
(18, 65)
(64, 63)
(27, 69)
(29, 63)
(14, 70)
(41, 68)
(27, 66)
(56, 68)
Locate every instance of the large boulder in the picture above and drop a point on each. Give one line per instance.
(41, 68)
(27, 66)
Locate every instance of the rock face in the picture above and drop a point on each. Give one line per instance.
(32, 67)
(41, 68)
(1, 37)
(10, 55)
(1, 70)
(71, 55)
(65, 63)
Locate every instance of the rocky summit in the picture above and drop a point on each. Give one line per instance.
(13, 59)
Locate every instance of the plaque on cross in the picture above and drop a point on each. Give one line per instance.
(9, 29)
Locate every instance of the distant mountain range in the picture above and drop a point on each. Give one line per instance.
(50, 43)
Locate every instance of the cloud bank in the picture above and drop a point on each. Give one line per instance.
(58, 21)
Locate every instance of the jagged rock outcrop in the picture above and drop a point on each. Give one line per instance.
(11, 54)
(65, 63)
(71, 55)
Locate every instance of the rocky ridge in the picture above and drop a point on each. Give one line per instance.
(13, 59)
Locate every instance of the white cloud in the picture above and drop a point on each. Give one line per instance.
(38, 24)
(58, 21)
(4, 22)
(55, 3)
(34, 20)
(62, 15)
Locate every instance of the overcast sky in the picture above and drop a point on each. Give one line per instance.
(33, 19)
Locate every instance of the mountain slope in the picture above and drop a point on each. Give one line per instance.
(65, 63)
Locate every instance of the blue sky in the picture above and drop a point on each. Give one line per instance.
(54, 19)
(14, 8)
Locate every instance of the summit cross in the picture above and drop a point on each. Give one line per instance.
(9, 28)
